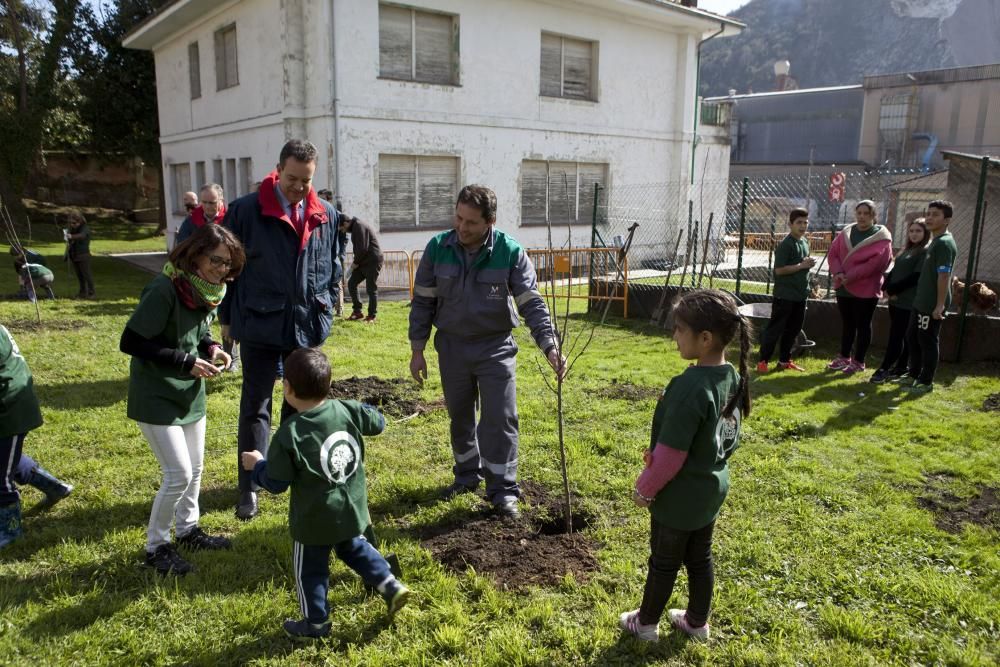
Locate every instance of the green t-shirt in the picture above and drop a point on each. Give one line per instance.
(688, 417)
(19, 411)
(158, 393)
(792, 286)
(939, 258)
(905, 266)
(321, 453)
(857, 236)
(40, 273)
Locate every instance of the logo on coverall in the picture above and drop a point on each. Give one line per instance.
(496, 293)
(340, 456)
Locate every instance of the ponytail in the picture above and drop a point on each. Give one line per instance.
(741, 397)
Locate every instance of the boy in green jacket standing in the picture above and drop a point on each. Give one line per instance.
(319, 452)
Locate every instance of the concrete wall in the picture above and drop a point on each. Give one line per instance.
(640, 125)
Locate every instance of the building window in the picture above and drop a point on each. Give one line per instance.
(416, 45)
(560, 191)
(569, 68)
(416, 191)
(232, 185)
(199, 174)
(246, 175)
(226, 70)
(217, 174)
(194, 70)
(180, 178)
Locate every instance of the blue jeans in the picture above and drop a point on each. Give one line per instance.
(670, 549)
(311, 568)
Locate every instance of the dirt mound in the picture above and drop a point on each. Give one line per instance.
(533, 551)
(629, 392)
(395, 396)
(992, 403)
(31, 326)
(951, 511)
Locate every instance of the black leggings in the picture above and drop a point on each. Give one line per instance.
(670, 549)
(896, 354)
(856, 314)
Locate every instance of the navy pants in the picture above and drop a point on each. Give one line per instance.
(669, 549)
(311, 568)
(10, 466)
(923, 338)
(786, 322)
(484, 369)
(260, 370)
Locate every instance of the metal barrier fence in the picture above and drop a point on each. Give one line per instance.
(582, 273)
(397, 270)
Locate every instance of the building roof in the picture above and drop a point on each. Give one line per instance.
(933, 76)
(993, 160)
(177, 15)
(780, 93)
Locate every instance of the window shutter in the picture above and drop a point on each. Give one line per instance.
(395, 45)
(562, 191)
(433, 53)
(232, 71)
(194, 70)
(590, 174)
(533, 179)
(397, 191)
(577, 75)
(438, 188)
(551, 72)
(220, 61)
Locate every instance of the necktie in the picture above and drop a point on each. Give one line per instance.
(296, 222)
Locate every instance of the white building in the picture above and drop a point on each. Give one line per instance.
(409, 102)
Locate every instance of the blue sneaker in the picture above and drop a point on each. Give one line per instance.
(10, 523)
(396, 596)
(305, 630)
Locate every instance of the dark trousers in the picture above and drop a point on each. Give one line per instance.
(856, 315)
(669, 549)
(896, 349)
(923, 338)
(311, 568)
(260, 370)
(368, 274)
(786, 322)
(83, 276)
(10, 459)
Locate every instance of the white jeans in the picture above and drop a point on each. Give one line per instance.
(181, 453)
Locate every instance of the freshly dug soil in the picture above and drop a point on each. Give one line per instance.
(627, 391)
(533, 551)
(992, 403)
(30, 326)
(396, 396)
(950, 511)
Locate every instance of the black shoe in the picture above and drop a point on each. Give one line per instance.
(54, 489)
(166, 560)
(456, 489)
(508, 510)
(880, 376)
(197, 539)
(247, 507)
(894, 373)
(305, 630)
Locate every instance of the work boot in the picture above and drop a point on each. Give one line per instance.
(54, 489)
(10, 523)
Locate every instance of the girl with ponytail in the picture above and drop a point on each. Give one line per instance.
(696, 428)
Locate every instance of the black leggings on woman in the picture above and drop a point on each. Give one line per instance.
(856, 314)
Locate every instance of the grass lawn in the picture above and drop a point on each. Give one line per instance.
(825, 554)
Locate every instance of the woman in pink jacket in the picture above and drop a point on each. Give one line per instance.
(859, 257)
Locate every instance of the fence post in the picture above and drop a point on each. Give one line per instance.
(770, 252)
(743, 230)
(593, 244)
(973, 249)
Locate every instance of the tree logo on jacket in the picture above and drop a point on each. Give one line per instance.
(727, 435)
(339, 456)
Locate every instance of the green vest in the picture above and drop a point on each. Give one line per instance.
(321, 453)
(157, 393)
(688, 417)
(939, 258)
(791, 286)
(19, 411)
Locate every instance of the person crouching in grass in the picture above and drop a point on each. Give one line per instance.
(319, 453)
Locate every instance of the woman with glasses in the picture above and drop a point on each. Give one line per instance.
(168, 337)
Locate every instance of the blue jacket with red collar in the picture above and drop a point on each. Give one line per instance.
(284, 297)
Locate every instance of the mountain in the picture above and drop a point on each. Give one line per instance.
(838, 42)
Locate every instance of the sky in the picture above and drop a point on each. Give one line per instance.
(721, 6)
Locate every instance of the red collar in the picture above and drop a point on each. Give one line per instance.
(198, 215)
(315, 214)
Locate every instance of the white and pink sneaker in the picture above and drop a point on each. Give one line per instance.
(678, 619)
(629, 622)
(839, 363)
(853, 367)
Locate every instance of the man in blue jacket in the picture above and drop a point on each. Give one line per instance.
(284, 299)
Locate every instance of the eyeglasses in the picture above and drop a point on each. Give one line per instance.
(217, 261)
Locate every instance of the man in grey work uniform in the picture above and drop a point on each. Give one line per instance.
(467, 285)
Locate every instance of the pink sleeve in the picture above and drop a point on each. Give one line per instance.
(665, 465)
(833, 257)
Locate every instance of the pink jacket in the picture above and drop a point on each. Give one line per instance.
(864, 264)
